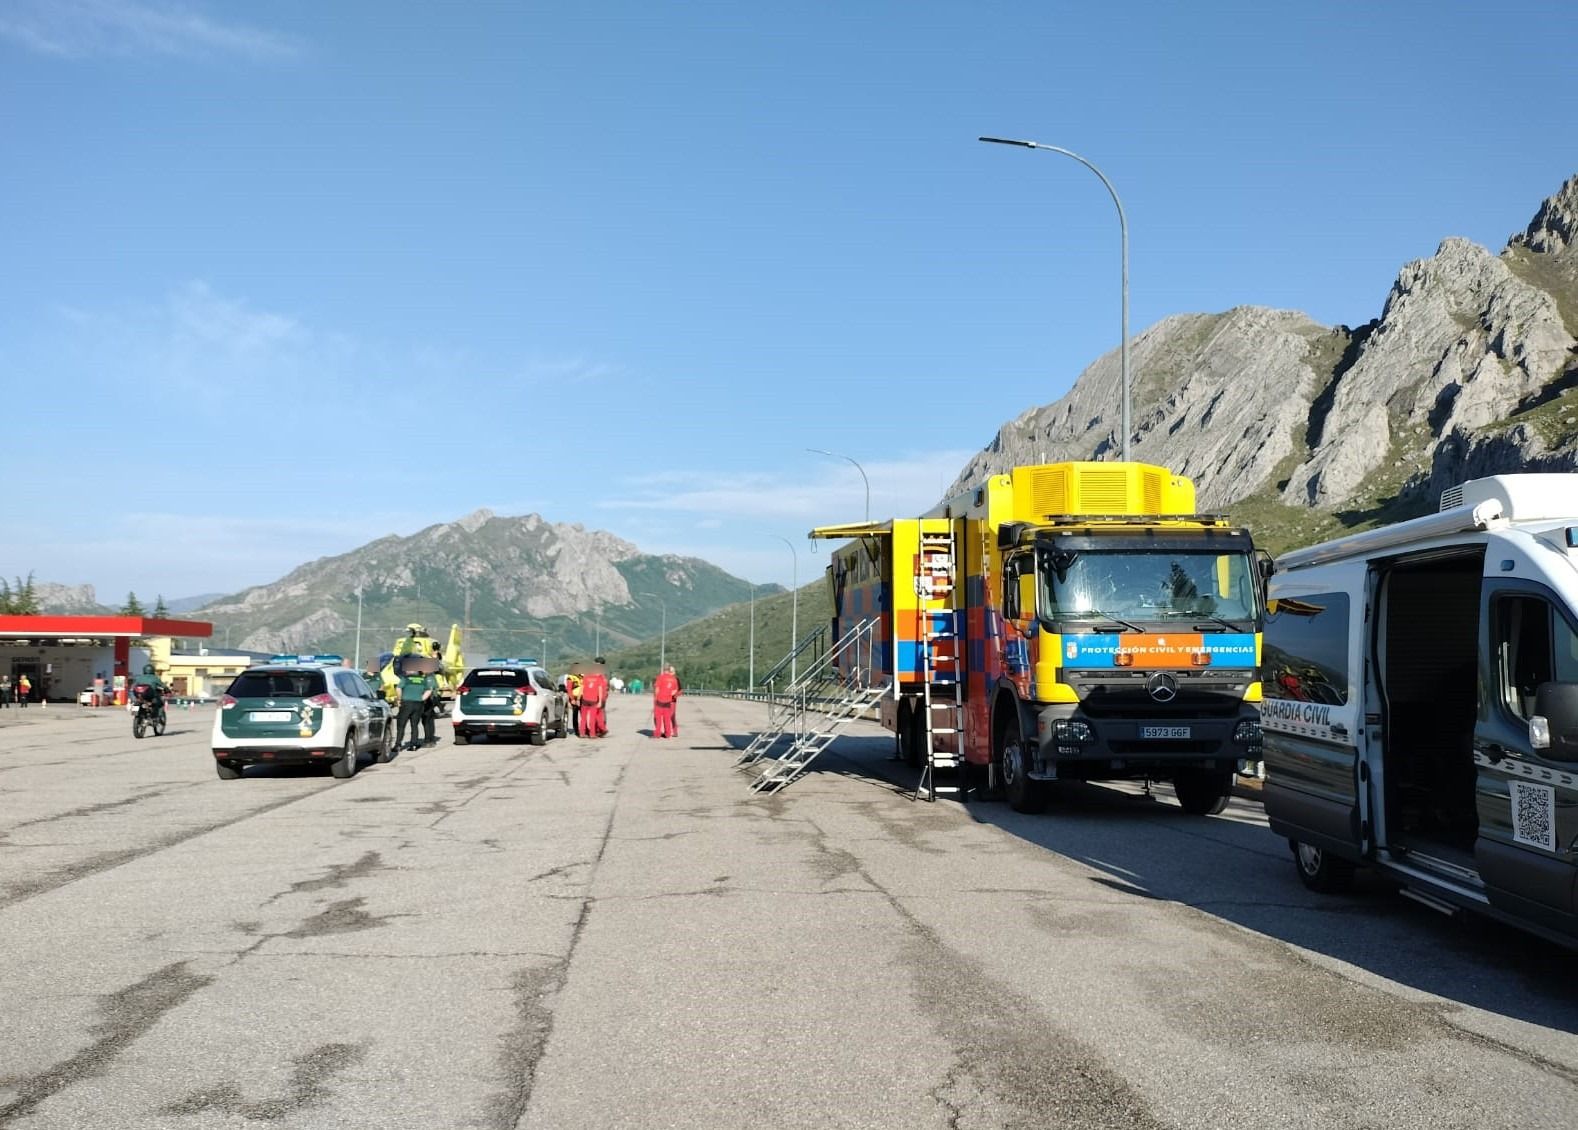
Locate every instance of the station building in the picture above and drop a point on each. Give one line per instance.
(64, 655)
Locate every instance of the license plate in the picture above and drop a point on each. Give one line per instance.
(271, 715)
(1164, 731)
(493, 700)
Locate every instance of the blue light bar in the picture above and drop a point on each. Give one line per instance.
(307, 660)
(512, 663)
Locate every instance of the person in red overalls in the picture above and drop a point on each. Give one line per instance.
(665, 694)
(594, 697)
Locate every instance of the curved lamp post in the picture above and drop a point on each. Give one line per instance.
(1123, 225)
(858, 467)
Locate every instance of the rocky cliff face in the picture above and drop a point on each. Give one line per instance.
(67, 600)
(1470, 369)
(521, 578)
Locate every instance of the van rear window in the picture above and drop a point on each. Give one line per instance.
(1306, 657)
(277, 684)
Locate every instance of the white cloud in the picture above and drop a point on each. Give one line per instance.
(79, 29)
(816, 493)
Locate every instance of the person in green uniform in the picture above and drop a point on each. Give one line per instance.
(415, 691)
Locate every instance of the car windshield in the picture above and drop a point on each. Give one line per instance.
(496, 679)
(277, 684)
(1147, 585)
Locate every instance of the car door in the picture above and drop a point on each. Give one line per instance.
(1316, 787)
(350, 693)
(552, 701)
(1527, 800)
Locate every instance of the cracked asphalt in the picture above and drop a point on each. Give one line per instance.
(619, 934)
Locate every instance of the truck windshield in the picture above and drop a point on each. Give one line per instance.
(1148, 585)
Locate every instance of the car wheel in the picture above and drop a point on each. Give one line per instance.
(345, 765)
(386, 746)
(539, 736)
(1023, 794)
(1319, 870)
(227, 770)
(462, 738)
(1202, 792)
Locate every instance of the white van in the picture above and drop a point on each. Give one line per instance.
(1421, 704)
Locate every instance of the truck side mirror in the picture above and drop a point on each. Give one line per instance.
(1554, 727)
(1265, 564)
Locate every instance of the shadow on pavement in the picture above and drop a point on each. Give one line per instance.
(1233, 867)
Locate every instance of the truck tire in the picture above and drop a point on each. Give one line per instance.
(1320, 870)
(909, 738)
(1202, 792)
(1022, 794)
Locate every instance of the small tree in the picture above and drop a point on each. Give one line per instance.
(133, 606)
(24, 599)
(160, 612)
(7, 601)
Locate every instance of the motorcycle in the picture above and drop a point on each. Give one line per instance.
(148, 718)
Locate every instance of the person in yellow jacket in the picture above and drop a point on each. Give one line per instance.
(572, 687)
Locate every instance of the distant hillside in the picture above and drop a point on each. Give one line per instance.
(714, 653)
(528, 581)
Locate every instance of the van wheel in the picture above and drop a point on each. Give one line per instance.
(1022, 794)
(1321, 871)
(1202, 792)
(345, 765)
(227, 770)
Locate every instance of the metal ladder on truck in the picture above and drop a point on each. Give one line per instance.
(839, 688)
(937, 637)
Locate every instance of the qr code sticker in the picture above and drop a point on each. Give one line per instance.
(1533, 814)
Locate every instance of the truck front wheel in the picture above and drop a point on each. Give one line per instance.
(1203, 792)
(1023, 794)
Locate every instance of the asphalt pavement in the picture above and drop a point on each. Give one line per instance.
(617, 933)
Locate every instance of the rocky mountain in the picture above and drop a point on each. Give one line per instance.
(69, 600)
(1305, 430)
(523, 580)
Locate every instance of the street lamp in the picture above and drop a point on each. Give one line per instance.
(1123, 226)
(357, 662)
(794, 609)
(750, 683)
(858, 467)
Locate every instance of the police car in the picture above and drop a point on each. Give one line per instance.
(298, 709)
(509, 696)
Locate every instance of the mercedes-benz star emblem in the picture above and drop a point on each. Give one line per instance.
(1163, 687)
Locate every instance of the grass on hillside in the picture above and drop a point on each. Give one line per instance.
(714, 653)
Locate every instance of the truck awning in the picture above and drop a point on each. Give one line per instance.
(853, 530)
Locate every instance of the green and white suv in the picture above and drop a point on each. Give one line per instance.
(509, 696)
(297, 710)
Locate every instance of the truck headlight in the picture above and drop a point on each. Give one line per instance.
(1067, 730)
(1247, 732)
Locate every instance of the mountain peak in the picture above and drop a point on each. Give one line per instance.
(1555, 226)
(474, 521)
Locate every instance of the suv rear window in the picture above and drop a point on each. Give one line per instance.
(277, 684)
(496, 677)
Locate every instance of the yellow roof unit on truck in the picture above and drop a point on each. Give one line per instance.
(1051, 492)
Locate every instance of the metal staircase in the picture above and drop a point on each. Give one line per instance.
(937, 641)
(837, 688)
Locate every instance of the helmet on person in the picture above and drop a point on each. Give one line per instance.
(415, 630)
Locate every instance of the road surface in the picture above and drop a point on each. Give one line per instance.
(618, 934)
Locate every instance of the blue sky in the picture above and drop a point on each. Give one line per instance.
(622, 263)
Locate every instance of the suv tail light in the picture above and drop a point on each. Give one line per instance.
(322, 701)
(226, 701)
(527, 689)
(462, 689)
